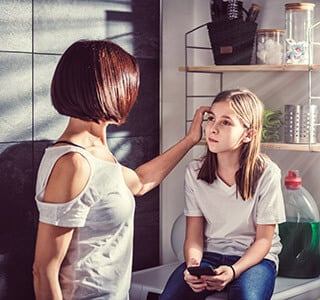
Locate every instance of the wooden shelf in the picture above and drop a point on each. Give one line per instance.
(248, 68)
(285, 146)
(292, 147)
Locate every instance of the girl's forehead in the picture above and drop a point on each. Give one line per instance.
(224, 109)
(222, 106)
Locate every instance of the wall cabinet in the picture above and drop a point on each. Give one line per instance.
(220, 70)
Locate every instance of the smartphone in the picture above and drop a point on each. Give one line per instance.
(198, 271)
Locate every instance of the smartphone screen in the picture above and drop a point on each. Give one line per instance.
(198, 271)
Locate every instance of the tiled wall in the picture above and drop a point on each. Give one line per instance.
(33, 35)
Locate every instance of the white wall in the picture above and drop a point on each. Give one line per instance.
(177, 19)
(274, 89)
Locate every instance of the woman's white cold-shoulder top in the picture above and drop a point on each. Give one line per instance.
(99, 258)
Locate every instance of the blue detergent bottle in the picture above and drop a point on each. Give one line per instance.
(300, 234)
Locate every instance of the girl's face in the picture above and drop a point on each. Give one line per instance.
(225, 132)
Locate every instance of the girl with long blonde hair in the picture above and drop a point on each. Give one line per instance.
(233, 206)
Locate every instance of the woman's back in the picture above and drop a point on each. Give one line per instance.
(102, 215)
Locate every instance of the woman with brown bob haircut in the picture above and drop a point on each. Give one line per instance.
(84, 195)
(90, 87)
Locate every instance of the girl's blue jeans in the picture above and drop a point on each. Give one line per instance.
(256, 283)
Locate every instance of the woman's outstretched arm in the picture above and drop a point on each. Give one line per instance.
(149, 175)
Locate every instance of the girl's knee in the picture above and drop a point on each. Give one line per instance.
(255, 283)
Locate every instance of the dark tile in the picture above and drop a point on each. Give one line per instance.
(134, 151)
(143, 21)
(146, 28)
(58, 24)
(146, 237)
(18, 220)
(16, 189)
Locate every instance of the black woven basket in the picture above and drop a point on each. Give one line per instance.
(232, 41)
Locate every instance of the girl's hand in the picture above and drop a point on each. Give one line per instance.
(195, 130)
(218, 282)
(196, 284)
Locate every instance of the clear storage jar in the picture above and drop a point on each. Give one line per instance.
(270, 46)
(299, 19)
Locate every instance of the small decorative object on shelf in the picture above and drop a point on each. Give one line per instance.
(231, 35)
(299, 18)
(272, 122)
(300, 123)
(253, 13)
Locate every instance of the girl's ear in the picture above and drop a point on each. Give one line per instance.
(249, 135)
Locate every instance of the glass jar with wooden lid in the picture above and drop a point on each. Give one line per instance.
(270, 46)
(299, 35)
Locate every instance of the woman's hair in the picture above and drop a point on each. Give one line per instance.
(95, 80)
(249, 110)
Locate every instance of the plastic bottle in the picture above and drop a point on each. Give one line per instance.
(300, 235)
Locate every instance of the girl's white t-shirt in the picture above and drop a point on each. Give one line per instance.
(230, 221)
(99, 259)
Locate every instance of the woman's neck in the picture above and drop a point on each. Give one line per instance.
(89, 135)
(86, 134)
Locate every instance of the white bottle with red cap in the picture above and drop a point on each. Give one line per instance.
(300, 234)
(300, 205)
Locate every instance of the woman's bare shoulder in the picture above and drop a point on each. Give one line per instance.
(68, 178)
